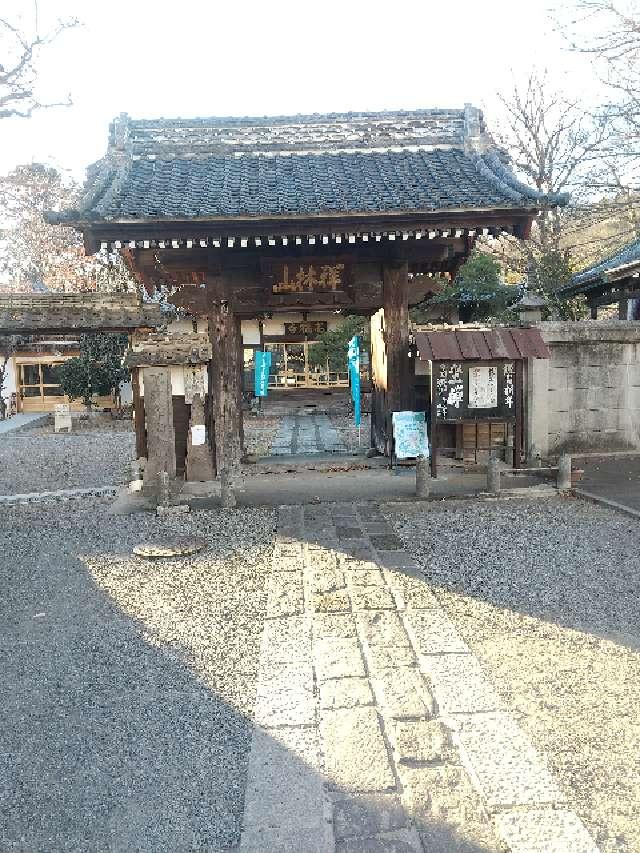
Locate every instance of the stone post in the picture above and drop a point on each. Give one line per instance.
(227, 493)
(537, 408)
(423, 477)
(199, 462)
(493, 476)
(564, 473)
(161, 440)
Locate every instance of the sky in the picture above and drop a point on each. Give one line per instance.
(188, 58)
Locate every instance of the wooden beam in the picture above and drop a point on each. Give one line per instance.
(220, 231)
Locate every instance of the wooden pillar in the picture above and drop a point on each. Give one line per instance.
(395, 292)
(594, 312)
(240, 384)
(158, 412)
(225, 374)
(623, 309)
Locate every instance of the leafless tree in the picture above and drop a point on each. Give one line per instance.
(556, 146)
(608, 32)
(19, 54)
(35, 253)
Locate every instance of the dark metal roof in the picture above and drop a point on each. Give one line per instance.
(480, 344)
(426, 160)
(598, 274)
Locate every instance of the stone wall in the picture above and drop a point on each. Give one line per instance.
(587, 396)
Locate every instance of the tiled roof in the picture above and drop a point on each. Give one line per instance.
(426, 160)
(29, 313)
(596, 275)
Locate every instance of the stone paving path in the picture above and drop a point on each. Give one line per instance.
(300, 434)
(375, 727)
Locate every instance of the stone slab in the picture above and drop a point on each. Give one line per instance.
(356, 756)
(325, 579)
(376, 527)
(402, 692)
(285, 564)
(344, 531)
(284, 787)
(337, 601)
(388, 657)
(360, 816)
(507, 767)
(382, 628)
(444, 805)
(284, 594)
(345, 693)
(459, 684)
(336, 625)
(423, 741)
(397, 560)
(285, 640)
(359, 549)
(544, 831)
(433, 633)
(338, 658)
(401, 841)
(284, 695)
(386, 541)
(366, 577)
(266, 840)
(411, 593)
(372, 598)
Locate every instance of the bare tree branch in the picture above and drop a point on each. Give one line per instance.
(19, 52)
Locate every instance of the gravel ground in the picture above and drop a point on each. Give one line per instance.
(96, 422)
(259, 433)
(349, 433)
(39, 460)
(128, 684)
(546, 593)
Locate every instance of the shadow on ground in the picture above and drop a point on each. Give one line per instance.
(113, 735)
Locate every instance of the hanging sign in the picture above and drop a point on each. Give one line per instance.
(353, 364)
(410, 435)
(262, 369)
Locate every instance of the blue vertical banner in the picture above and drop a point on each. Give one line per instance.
(353, 362)
(261, 373)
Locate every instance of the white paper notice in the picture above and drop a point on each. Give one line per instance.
(198, 435)
(483, 387)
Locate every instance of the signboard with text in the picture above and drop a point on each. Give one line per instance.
(410, 435)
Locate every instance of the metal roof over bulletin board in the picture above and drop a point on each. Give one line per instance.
(477, 375)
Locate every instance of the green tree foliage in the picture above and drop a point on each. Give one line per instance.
(97, 370)
(552, 270)
(477, 290)
(331, 348)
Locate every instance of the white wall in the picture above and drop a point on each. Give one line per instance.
(275, 326)
(10, 383)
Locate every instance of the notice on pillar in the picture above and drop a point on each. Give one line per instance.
(483, 387)
(198, 435)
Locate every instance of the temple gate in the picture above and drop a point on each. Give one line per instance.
(242, 218)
